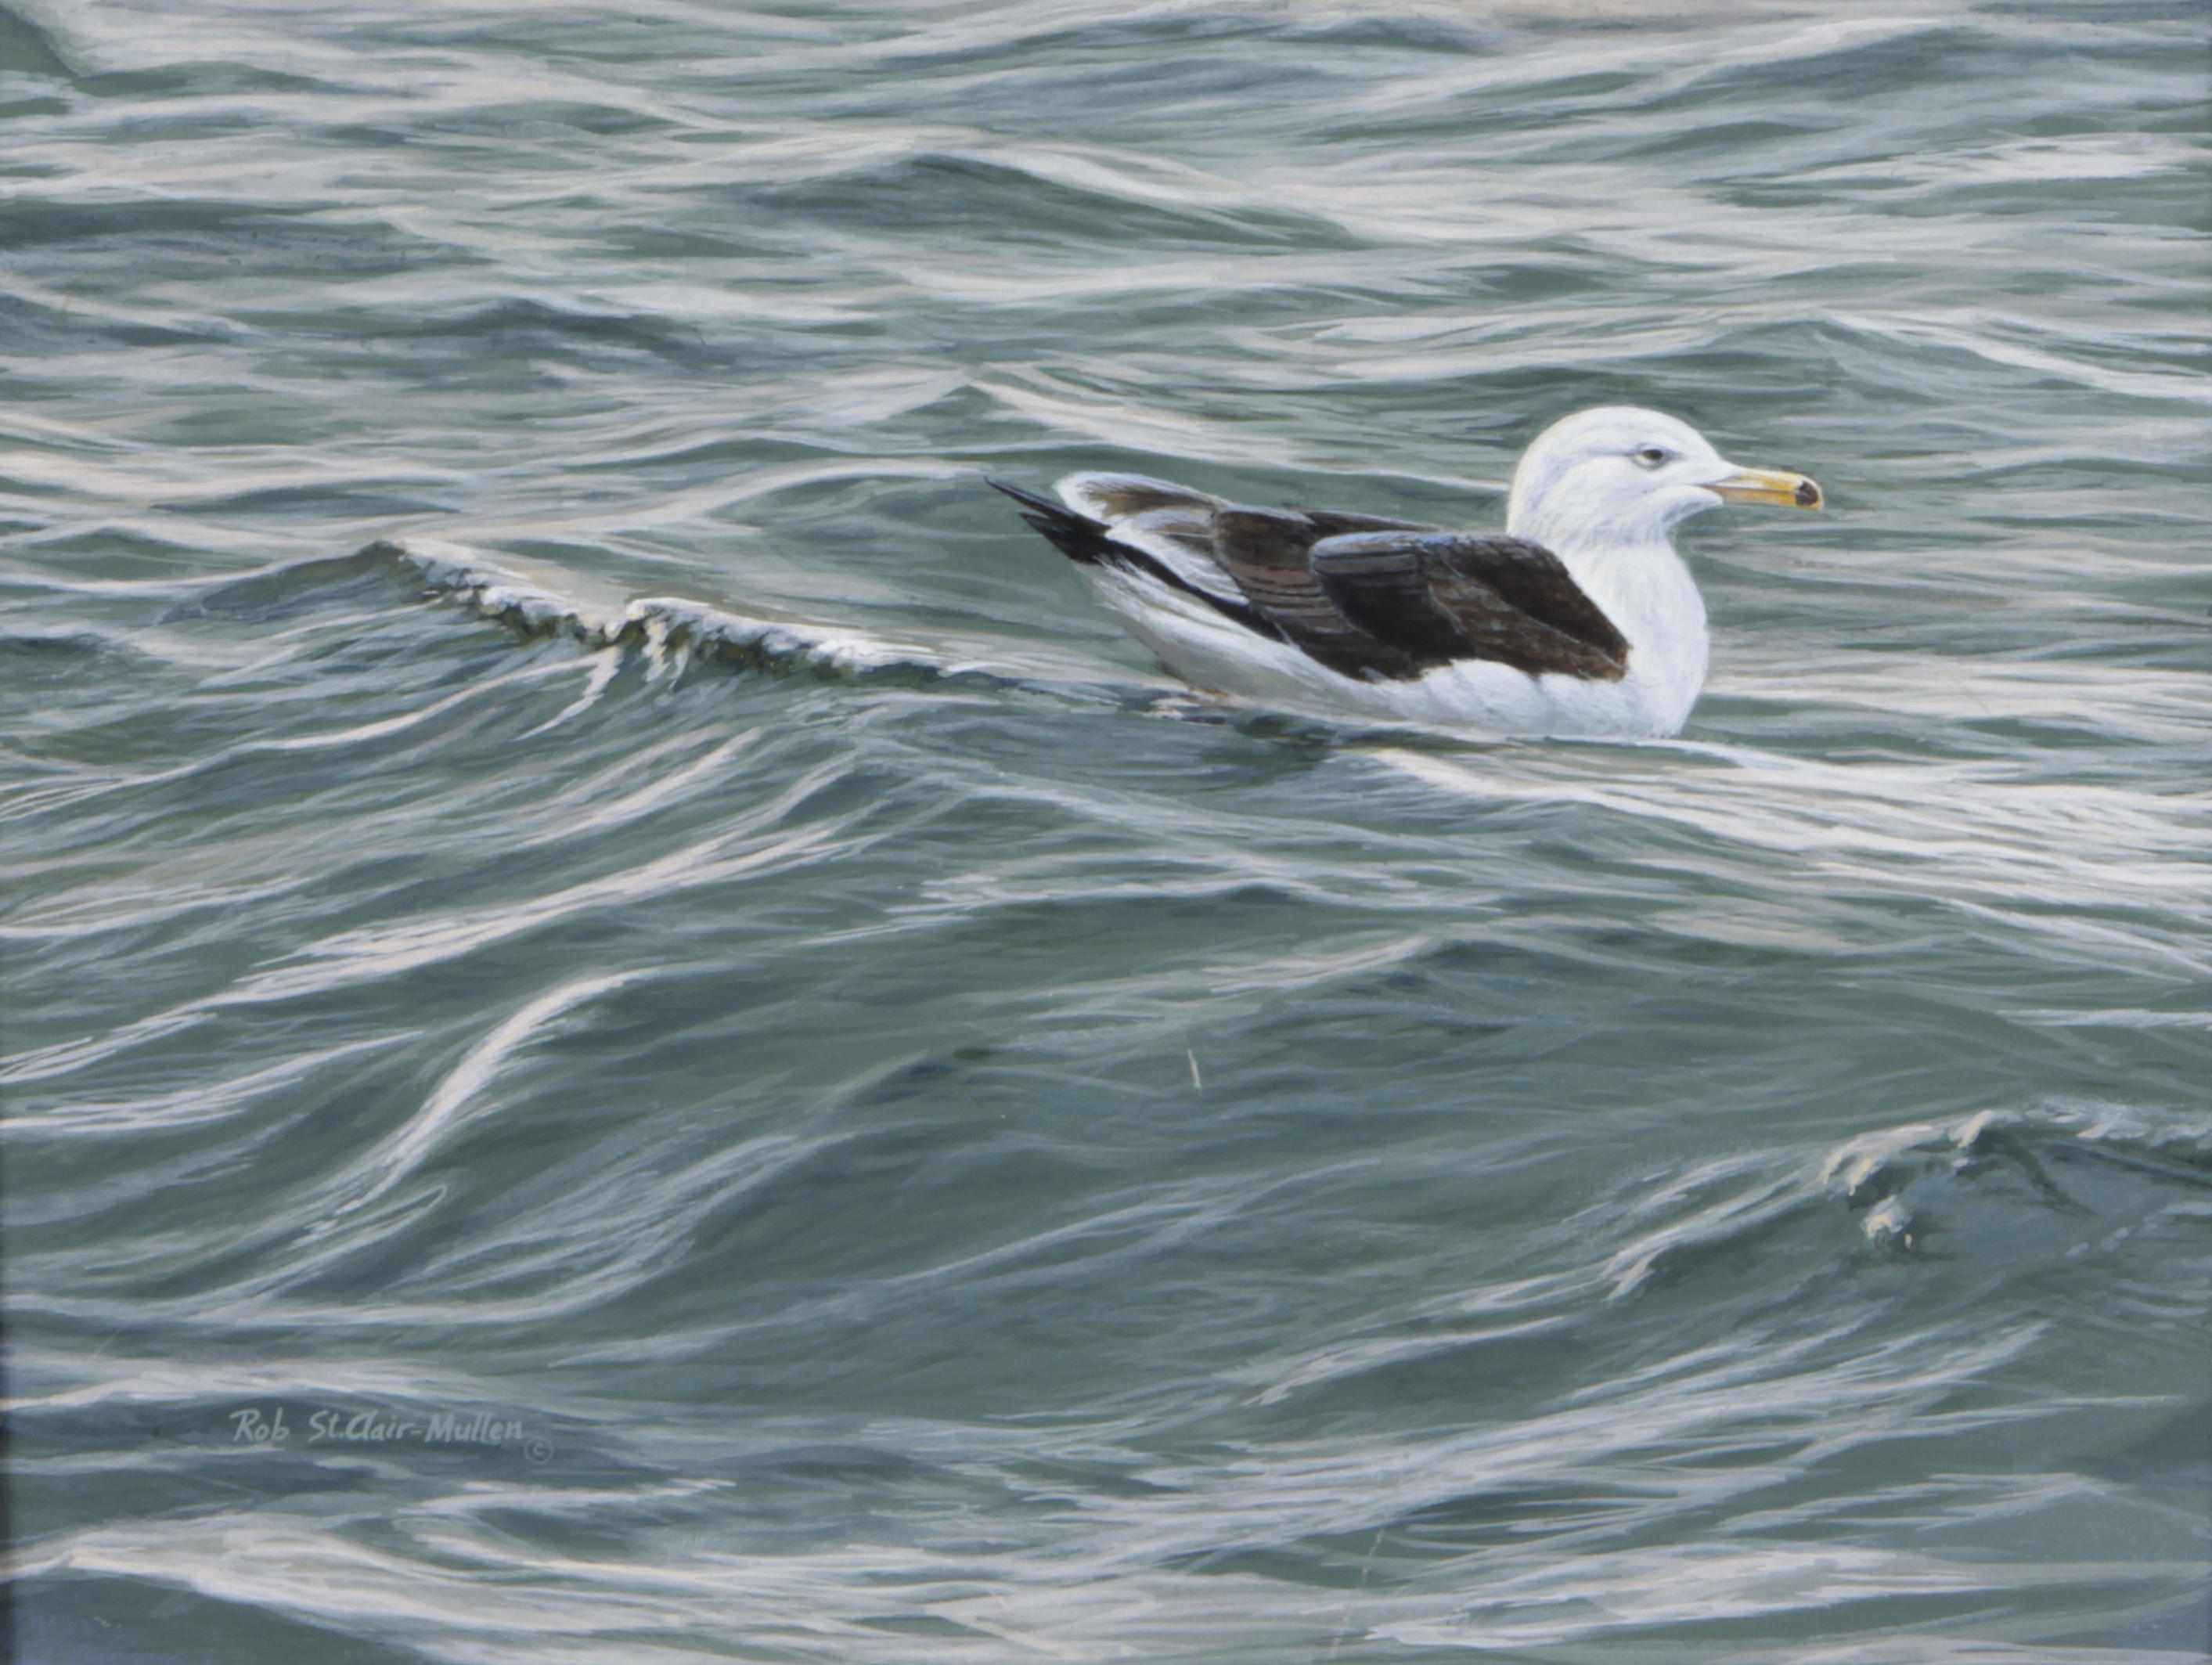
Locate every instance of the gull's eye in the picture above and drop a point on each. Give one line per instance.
(1651, 456)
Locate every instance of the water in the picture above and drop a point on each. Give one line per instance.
(633, 1031)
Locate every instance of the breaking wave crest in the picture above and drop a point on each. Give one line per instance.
(663, 627)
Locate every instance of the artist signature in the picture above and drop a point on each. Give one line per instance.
(255, 1425)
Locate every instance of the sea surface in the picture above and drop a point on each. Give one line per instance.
(633, 1031)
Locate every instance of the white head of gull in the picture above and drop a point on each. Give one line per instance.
(1579, 620)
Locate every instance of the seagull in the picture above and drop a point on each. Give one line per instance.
(1578, 620)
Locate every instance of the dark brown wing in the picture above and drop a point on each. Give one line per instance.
(1372, 597)
(1447, 596)
(1268, 552)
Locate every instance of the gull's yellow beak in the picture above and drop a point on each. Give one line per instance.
(1768, 485)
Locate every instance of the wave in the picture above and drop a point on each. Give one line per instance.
(667, 631)
(1972, 1190)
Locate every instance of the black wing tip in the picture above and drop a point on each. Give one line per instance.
(1084, 541)
(1078, 536)
(1027, 499)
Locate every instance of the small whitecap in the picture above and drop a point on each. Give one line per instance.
(1889, 1224)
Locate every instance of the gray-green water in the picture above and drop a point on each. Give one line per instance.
(566, 863)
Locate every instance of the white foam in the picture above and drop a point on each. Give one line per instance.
(669, 629)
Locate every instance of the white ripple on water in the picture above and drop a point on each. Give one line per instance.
(1809, 1399)
(1981, 343)
(1104, 419)
(2108, 873)
(100, 1379)
(164, 477)
(1716, 1581)
(603, 812)
(457, 1098)
(534, 1271)
(2030, 162)
(2119, 702)
(754, 842)
(757, 843)
(607, 664)
(384, 727)
(204, 1100)
(471, 1595)
(486, 1601)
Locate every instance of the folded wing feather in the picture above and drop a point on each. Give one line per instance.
(1448, 595)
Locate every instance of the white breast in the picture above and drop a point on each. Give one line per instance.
(1650, 595)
